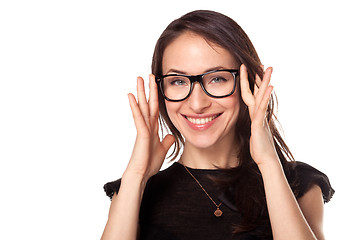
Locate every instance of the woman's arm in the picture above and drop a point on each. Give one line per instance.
(146, 160)
(288, 220)
(124, 210)
(312, 207)
(286, 217)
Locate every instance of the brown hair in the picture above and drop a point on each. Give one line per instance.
(219, 29)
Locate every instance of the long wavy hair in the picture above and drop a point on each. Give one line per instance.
(249, 196)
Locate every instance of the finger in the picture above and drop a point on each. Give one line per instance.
(257, 78)
(257, 81)
(261, 111)
(153, 98)
(267, 75)
(246, 93)
(143, 104)
(137, 115)
(263, 86)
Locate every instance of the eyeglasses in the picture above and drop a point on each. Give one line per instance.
(216, 84)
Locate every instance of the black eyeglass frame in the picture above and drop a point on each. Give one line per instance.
(197, 78)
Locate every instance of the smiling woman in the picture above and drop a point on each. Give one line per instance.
(192, 54)
(236, 177)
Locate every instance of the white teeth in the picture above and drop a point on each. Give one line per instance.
(201, 120)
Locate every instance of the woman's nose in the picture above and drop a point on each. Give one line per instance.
(198, 101)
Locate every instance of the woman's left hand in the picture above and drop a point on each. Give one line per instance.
(262, 147)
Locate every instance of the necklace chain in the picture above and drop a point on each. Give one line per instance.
(217, 212)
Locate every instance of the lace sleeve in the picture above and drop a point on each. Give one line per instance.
(306, 176)
(112, 187)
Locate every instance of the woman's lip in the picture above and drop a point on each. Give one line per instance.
(201, 122)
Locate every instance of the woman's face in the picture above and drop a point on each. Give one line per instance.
(202, 120)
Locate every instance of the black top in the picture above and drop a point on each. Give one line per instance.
(174, 207)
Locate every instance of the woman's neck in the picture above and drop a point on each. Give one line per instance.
(209, 158)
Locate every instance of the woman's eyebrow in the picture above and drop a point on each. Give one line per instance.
(173, 70)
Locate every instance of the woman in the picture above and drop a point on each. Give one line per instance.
(235, 178)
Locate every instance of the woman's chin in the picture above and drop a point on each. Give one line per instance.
(201, 142)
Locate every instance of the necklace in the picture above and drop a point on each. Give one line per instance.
(217, 212)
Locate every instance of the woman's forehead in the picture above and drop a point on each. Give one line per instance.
(192, 54)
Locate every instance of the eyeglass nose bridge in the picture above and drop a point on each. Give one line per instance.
(194, 79)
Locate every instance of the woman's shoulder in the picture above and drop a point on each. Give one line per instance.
(303, 176)
(169, 173)
(163, 177)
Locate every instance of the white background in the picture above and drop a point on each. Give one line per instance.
(66, 128)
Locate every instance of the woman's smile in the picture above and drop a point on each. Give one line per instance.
(198, 122)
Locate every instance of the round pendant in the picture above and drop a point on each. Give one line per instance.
(218, 212)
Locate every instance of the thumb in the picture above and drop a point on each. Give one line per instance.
(168, 141)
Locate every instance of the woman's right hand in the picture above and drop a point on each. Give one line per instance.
(149, 151)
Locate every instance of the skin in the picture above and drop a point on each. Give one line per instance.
(191, 54)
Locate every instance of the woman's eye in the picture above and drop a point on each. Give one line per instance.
(218, 80)
(178, 82)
